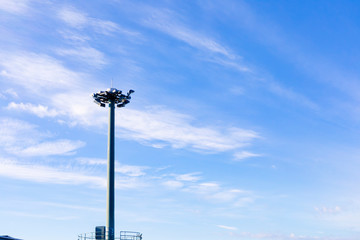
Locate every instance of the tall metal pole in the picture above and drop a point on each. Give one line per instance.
(110, 223)
(113, 97)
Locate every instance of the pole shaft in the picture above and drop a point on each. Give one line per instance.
(111, 173)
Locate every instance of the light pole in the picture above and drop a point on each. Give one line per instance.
(113, 97)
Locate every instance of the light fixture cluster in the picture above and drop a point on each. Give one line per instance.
(112, 95)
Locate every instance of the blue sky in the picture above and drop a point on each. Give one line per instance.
(244, 124)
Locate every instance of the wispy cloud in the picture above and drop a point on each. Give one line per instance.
(37, 72)
(216, 193)
(87, 55)
(42, 173)
(321, 69)
(189, 177)
(227, 227)
(73, 17)
(170, 127)
(210, 191)
(58, 147)
(74, 37)
(92, 161)
(128, 170)
(157, 125)
(172, 184)
(9, 93)
(328, 210)
(165, 21)
(291, 95)
(204, 188)
(15, 7)
(38, 110)
(21, 138)
(45, 174)
(19, 133)
(231, 63)
(78, 19)
(240, 156)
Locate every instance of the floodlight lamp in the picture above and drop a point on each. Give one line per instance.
(112, 95)
(97, 101)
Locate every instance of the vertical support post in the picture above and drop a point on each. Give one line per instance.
(111, 173)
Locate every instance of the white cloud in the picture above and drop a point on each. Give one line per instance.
(173, 184)
(164, 21)
(78, 19)
(291, 95)
(79, 108)
(74, 37)
(17, 132)
(62, 175)
(210, 191)
(130, 183)
(328, 210)
(189, 177)
(47, 79)
(92, 161)
(244, 201)
(346, 216)
(37, 73)
(10, 92)
(58, 147)
(87, 55)
(214, 192)
(239, 156)
(204, 188)
(68, 94)
(130, 170)
(73, 17)
(15, 7)
(240, 67)
(105, 27)
(45, 174)
(166, 126)
(227, 227)
(24, 139)
(229, 195)
(39, 110)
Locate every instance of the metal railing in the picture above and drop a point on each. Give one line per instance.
(124, 235)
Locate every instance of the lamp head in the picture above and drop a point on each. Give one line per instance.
(112, 95)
